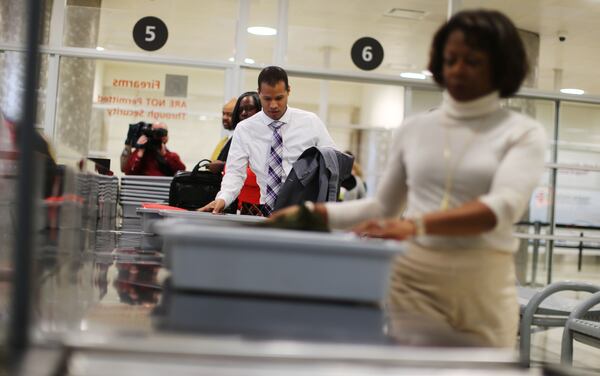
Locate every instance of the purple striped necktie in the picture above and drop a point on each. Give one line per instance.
(274, 166)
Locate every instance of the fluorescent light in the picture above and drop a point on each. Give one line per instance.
(246, 60)
(99, 48)
(572, 91)
(427, 73)
(262, 30)
(415, 76)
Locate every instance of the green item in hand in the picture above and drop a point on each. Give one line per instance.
(303, 220)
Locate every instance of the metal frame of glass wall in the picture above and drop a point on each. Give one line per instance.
(234, 72)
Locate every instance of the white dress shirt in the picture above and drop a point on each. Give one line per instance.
(497, 158)
(251, 145)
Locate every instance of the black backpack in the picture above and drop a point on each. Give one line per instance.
(193, 190)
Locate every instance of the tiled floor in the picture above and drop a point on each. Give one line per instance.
(546, 344)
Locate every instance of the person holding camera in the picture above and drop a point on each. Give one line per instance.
(134, 132)
(150, 155)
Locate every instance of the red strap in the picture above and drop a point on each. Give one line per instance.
(152, 205)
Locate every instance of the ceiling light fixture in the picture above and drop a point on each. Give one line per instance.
(414, 76)
(99, 48)
(248, 61)
(572, 91)
(231, 59)
(262, 30)
(427, 73)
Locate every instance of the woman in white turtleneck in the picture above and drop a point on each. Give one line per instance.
(465, 173)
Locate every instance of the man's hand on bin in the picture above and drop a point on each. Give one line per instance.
(216, 207)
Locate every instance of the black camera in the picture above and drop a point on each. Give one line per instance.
(155, 134)
(142, 128)
(135, 132)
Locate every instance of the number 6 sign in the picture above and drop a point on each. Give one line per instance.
(367, 53)
(150, 33)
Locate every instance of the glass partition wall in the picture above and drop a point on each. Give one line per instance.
(95, 81)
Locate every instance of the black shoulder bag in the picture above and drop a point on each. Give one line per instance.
(193, 190)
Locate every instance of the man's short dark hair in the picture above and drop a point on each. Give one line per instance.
(272, 75)
(489, 31)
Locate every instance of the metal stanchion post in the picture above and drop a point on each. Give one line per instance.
(23, 249)
(537, 226)
(579, 259)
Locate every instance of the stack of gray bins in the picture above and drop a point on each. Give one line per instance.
(87, 190)
(248, 280)
(108, 195)
(136, 190)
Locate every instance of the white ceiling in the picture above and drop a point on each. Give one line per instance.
(578, 55)
(206, 30)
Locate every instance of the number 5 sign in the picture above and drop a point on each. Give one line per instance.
(367, 53)
(150, 33)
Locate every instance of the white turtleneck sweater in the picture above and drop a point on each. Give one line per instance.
(497, 156)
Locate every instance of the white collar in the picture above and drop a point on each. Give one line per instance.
(284, 119)
(470, 109)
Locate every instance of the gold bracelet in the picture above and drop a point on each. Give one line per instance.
(419, 223)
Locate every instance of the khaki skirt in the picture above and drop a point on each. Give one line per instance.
(473, 291)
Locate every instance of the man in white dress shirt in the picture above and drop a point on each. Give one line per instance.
(270, 142)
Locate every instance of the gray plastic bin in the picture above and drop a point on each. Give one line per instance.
(148, 216)
(259, 261)
(270, 318)
(129, 208)
(156, 180)
(212, 219)
(143, 187)
(151, 216)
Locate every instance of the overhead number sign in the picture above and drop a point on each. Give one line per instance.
(367, 53)
(150, 33)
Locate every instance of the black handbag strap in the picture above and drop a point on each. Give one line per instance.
(163, 166)
(199, 165)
